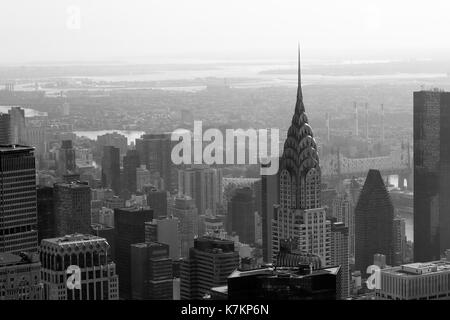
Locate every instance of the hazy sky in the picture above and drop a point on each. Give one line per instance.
(46, 30)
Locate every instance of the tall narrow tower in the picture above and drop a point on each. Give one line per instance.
(299, 217)
(328, 126)
(356, 119)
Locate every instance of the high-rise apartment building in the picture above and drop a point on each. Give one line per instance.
(5, 129)
(131, 162)
(343, 210)
(45, 213)
(18, 205)
(431, 174)
(165, 230)
(269, 197)
(98, 279)
(241, 215)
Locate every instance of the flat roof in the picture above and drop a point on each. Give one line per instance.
(73, 239)
(5, 148)
(418, 268)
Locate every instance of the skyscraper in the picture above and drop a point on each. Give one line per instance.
(431, 174)
(374, 218)
(209, 265)
(131, 162)
(5, 129)
(18, 128)
(90, 253)
(155, 152)
(343, 211)
(151, 272)
(300, 215)
(241, 215)
(73, 208)
(111, 169)
(340, 257)
(129, 229)
(204, 185)
(66, 158)
(186, 212)
(165, 230)
(157, 200)
(18, 205)
(270, 197)
(400, 241)
(46, 213)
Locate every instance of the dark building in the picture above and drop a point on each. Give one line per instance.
(66, 158)
(431, 174)
(72, 203)
(241, 215)
(157, 200)
(108, 233)
(155, 152)
(374, 222)
(284, 284)
(269, 197)
(5, 129)
(151, 272)
(131, 162)
(111, 169)
(46, 213)
(210, 263)
(129, 225)
(18, 205)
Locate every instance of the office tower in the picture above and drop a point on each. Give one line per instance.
(299, 283)
(300, 215)
(399, 241)
(343, 211)
(130, 163)
(241, 215)
(72, 208)
(204, 184)
(151, 272)
(108, 233)
(416, 281)
(157, 200)
(374, 218)
(90, 253)
(111, 169)
(356, 119)
(269, 197)
(211, 225)
(18, 128)
(143, 178)
(18, 205)
(129, 225)
(184, 209)
(36, 136)
(155, 152)
(45, 213)
(431, 174)
(165, 231)
(5, 129)
(66, 158)
(114, 139)
(20, 277)
(210, 263)
(340, 257)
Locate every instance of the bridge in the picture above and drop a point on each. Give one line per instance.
(336, 166)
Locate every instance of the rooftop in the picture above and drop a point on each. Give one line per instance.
(14, 147)
(71, 239)
(415, 269)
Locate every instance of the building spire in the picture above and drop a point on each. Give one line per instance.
(299, 105)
